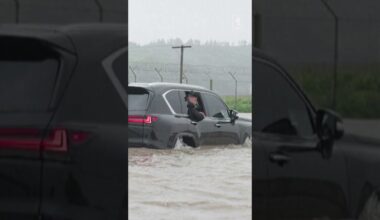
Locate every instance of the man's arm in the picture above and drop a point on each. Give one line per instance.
(194, 114)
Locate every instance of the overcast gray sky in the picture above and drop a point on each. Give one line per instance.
(220, 20)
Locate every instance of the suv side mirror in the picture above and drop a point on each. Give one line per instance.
(233, 115)
(329, 125)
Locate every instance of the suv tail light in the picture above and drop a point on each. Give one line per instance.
(56, 141)
(30, 139)
(138, 119)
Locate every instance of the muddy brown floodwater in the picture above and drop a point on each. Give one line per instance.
(187, 183)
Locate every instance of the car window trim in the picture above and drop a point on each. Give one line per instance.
(297, 89)
(150, 96)
(286, 76)
(225, 105)
(65, 60)
(107, 64)
(186, 90)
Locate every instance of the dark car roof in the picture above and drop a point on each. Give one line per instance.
(263, 55)
(258, 52)
(164, 86)
(60, 36)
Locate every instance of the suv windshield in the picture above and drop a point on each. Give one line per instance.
(137, 99)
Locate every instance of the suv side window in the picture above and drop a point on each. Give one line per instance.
(173, 98)
(183, 102)
(215, 107)
(278, 108)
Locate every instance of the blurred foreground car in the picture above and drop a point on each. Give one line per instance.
(303, 166)
(63, 122)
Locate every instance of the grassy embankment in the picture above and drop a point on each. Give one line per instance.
(358, 94)
(244, 103)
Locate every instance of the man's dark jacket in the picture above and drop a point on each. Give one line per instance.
(194, 112)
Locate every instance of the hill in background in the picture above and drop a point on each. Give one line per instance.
(204, 61)
(210, 53)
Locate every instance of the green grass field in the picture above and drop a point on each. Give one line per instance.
(358, 91)
(244, 103)
(358, 94)
(357, 97)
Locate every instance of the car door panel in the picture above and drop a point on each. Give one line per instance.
(302, 183)
(226, 132)
(229, 132)
(207, 131)
(260, 179)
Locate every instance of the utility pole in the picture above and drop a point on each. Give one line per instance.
(181, 64)
(257, 32)
(233, 76)
(336, 52)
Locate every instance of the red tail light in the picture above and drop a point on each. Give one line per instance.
(138, 119)
(56, 141)
(30, 139)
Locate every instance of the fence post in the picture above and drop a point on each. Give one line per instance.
(133, 72)
(158, 72)
(336, 53)
(207, 73)
(185, 77)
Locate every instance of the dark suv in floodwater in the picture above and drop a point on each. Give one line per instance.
(63, 122)
(303, 166)
(157, 117)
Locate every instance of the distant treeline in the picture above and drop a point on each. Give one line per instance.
(193, 42)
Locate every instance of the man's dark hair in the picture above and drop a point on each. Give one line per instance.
(192, 93)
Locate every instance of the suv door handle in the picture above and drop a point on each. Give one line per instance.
(193, 123)
(218, 125)
(279, 158)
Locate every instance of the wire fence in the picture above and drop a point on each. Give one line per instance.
(224, 80)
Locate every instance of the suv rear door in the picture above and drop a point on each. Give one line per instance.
(205, 129)
(28, 75)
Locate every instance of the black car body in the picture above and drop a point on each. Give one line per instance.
(63, 122)
(302, 167)
(158, 117)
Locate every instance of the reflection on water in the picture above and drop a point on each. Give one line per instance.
(186, 183)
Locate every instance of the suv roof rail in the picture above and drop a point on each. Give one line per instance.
(167, 84)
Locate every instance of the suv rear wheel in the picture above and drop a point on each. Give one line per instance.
(247, 140)
(184, 141)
